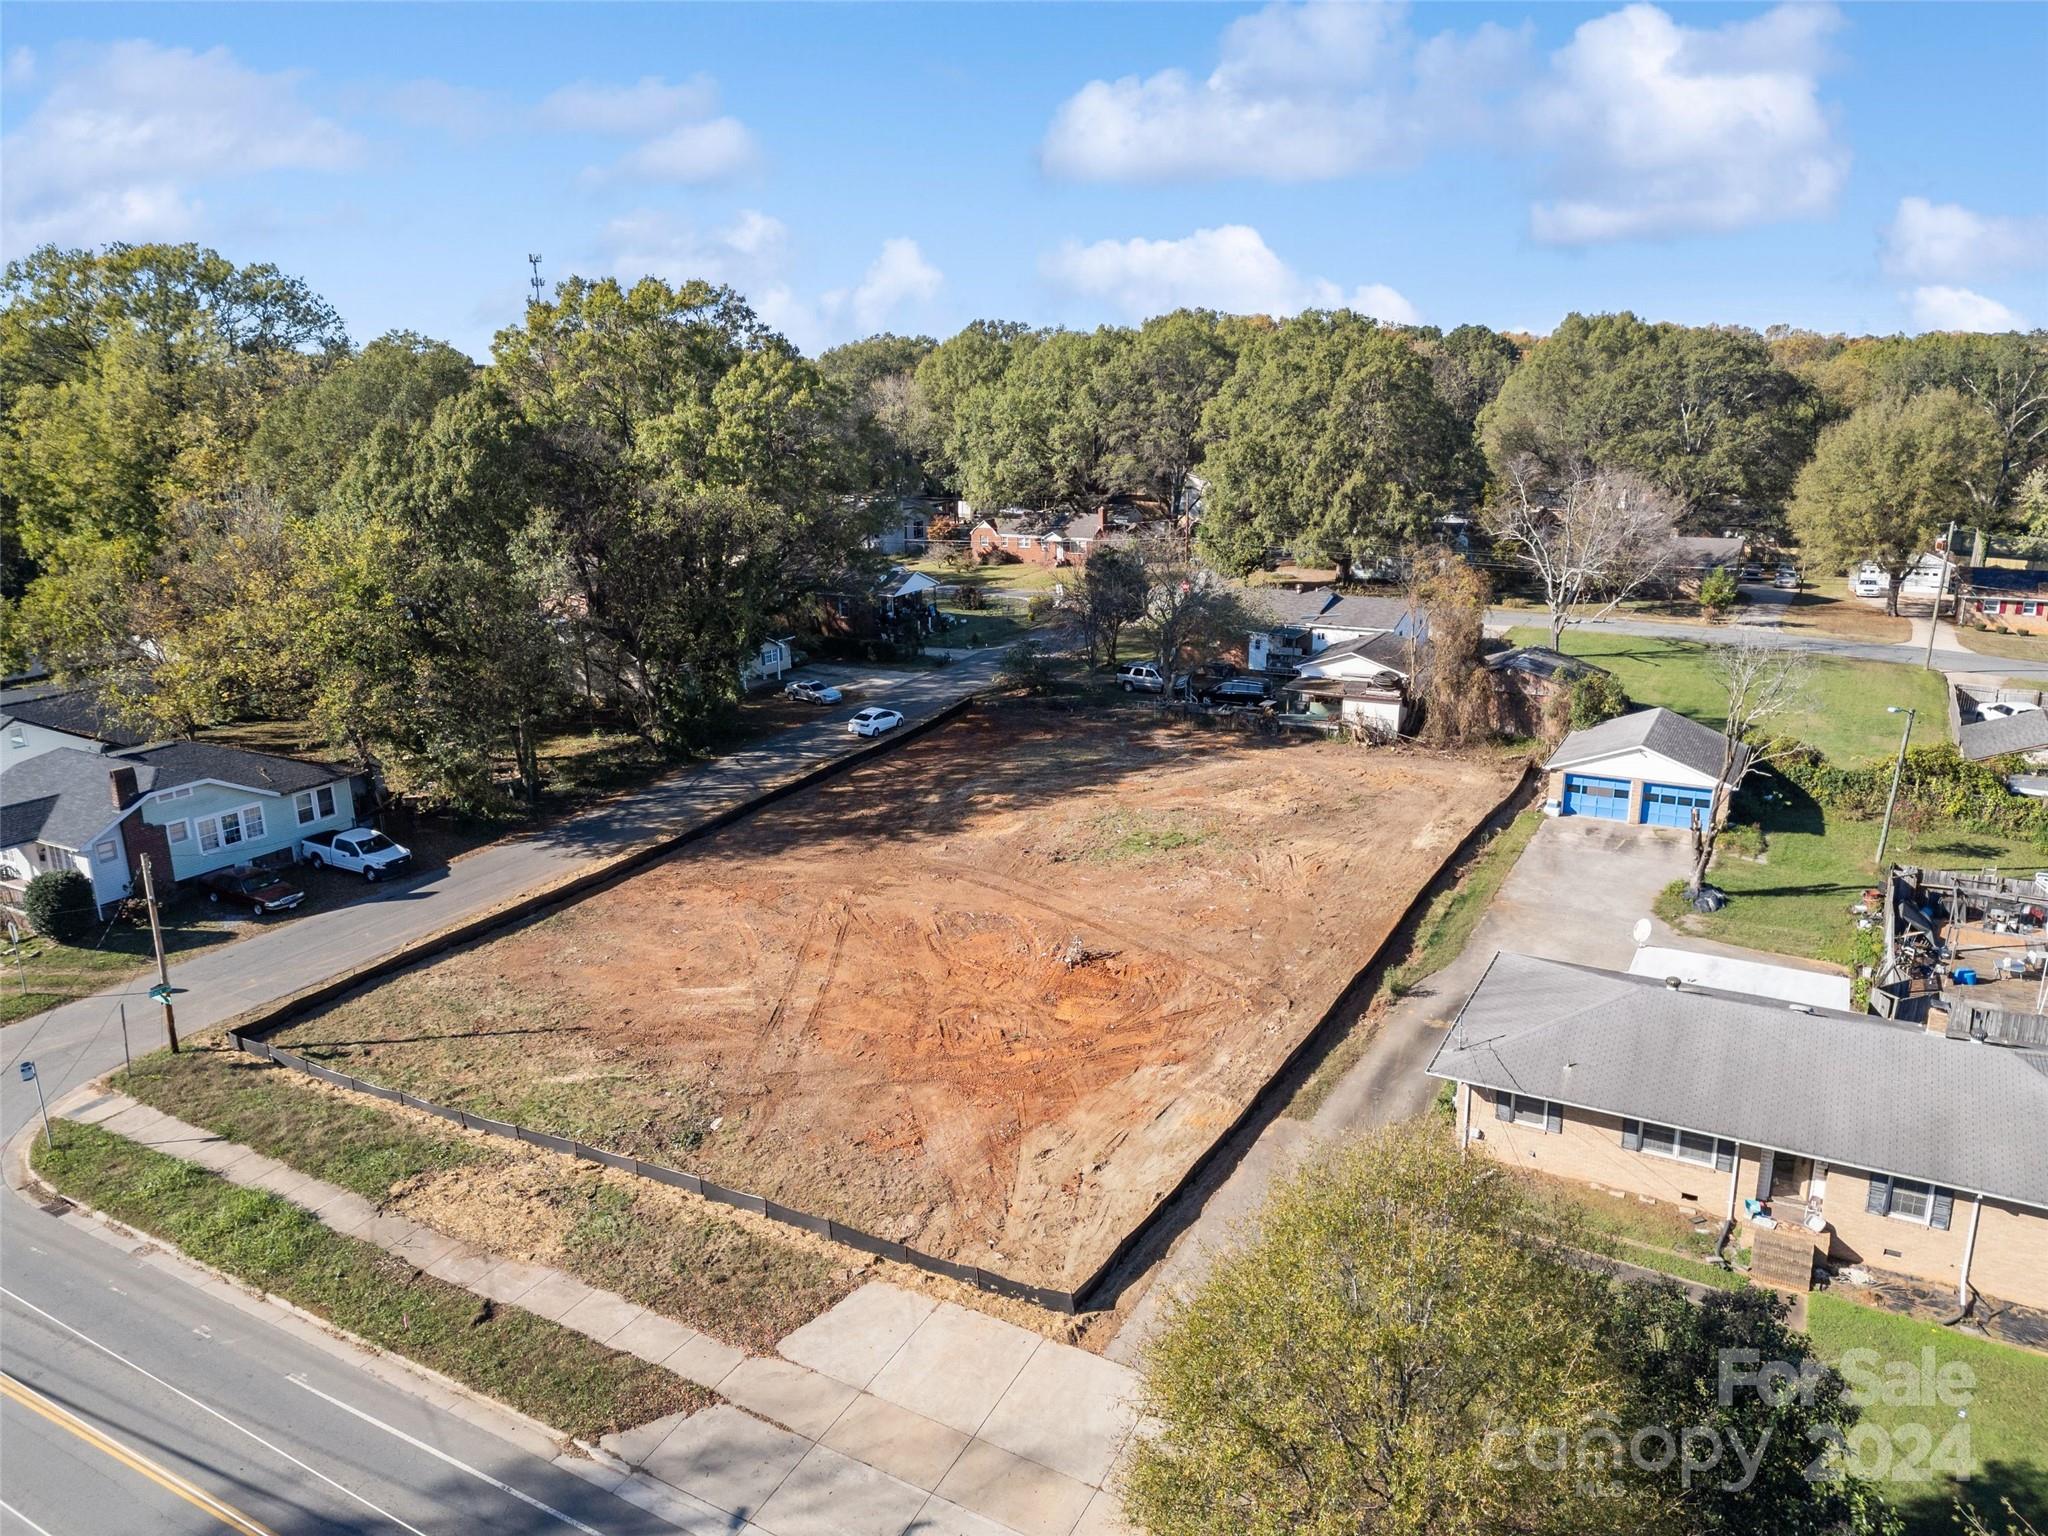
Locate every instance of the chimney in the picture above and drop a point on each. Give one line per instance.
(121, 784)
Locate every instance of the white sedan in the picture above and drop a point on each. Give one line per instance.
(872, 722)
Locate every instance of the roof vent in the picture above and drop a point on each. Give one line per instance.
(1800, 1007)
(1673, 982)
(1330, 602)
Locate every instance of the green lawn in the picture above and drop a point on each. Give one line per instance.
(1796, 900)
(538, 1367)
(2003, 1440)
(49, 972)
(2013, 647)
(999, 624)
(1844, 714)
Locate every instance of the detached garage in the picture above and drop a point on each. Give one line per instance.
(1652, 768)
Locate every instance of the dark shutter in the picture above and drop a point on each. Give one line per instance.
(1724, 1157)
(1879, 1201)
(1553, 1119)
(1766, 1168)
(1941, 1207)
(1632, 1135)
(1504, 1106)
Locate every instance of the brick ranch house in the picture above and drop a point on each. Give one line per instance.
(1873, 1142)
(1038, 538)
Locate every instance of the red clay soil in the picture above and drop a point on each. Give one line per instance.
(991, 994)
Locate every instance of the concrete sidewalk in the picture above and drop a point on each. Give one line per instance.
(891, 1414)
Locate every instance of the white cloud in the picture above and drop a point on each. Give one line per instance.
(900, 276)
(682, 138)
(646, 106)
(1657, 129)
(1229, 268)
(20, 69)
(753, 253)
(1300, 93)
(1946, 240)
(1642, 127)
(1940, 308)
(1664, 130)
(127, 133)
(694, 152)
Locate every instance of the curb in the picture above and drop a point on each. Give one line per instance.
(481, 1411)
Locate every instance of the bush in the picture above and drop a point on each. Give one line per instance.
(1718, 592)
(59, 905)
(1026, 667)
(1596, 697)
(1937, 780)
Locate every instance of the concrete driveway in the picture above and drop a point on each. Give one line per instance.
(1575, 894)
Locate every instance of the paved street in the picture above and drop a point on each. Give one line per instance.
(1949, 658)
(317, 1464)
(75, 1043)
(259, 1422)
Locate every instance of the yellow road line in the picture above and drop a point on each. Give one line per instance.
(135, 1461)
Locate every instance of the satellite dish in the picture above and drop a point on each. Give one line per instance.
(1642, 931)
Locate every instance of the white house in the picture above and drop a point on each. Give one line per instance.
(191, 806)
(1652, 768)
(1364, 683)
(1299, 624)
(38, 720)
(767, 665)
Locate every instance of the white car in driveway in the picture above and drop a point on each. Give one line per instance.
(1999, 710)
(809, 692)
(872, 722)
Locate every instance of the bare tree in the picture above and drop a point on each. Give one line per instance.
(1447, 598)
(1760, 682)
(1191, 612)
(1588, 536)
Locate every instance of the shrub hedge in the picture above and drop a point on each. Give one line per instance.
(1938, 780)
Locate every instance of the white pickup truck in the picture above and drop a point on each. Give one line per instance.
(360, 850)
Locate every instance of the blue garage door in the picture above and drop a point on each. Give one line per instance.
(1605, 798)
(1672, 805)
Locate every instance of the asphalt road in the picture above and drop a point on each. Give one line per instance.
(1946, 659)
(138, 1403)
(73, 1044)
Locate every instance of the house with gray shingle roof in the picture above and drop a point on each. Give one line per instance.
(191, 806)
(1652, 767)
(1299, 625)
(1876, 1142)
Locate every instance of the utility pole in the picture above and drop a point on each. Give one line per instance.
(533, 261)
(1948, 550)
(1898, 767)
(163, 970)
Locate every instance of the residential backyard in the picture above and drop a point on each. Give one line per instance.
(1844, 713)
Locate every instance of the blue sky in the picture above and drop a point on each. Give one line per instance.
(851, 168)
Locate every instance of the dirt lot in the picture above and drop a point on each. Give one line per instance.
(991, 994)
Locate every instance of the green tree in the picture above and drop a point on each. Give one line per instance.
(2004, 375)
(1719, 591)
(1706, 413)
(1042, 435)
(891, 427)
(952, 374)
(1885, 483)
(1370, 1360)
(1329, 439)
(1697, 1367)
(1470, 366)
(1596, 697)
(1161, 384)
(1111, 596)
(308, 435)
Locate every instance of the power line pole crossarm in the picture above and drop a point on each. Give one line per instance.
(163, 970)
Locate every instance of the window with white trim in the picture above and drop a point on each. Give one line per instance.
(1911, 1202)
(1682, 1146)
(317, 804)
(177, 833)
(106, 852)
(244, 824)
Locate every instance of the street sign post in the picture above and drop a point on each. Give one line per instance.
(28, 1075)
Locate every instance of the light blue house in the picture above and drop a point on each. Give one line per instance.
(192, 807)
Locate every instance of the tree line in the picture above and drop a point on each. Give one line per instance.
(215, 506)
